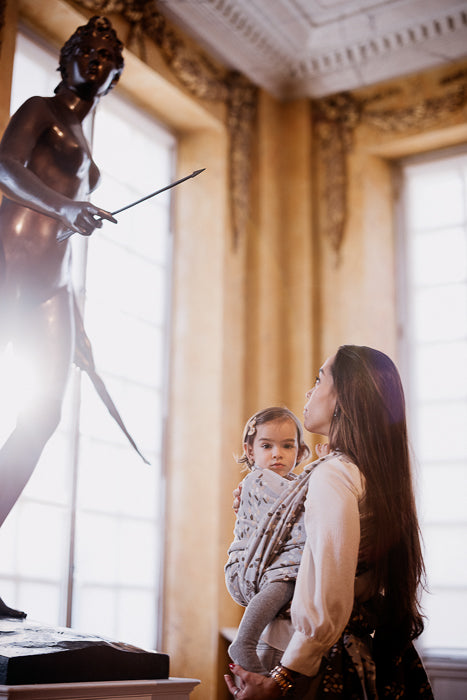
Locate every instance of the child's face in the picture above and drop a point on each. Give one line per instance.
(275, 446)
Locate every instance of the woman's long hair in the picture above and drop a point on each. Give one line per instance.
(369, 425)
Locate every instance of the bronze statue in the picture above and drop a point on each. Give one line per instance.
(46, 173)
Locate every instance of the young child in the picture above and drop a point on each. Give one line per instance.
(273, 445)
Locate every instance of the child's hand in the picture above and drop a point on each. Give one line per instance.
(236, 498)
(322, 449)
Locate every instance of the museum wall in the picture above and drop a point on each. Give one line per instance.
(277, 261)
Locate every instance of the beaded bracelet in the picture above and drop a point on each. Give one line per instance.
(283, 679)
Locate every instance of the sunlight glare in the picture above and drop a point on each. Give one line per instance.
(21, 384)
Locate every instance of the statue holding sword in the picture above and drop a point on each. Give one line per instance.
(46, 175)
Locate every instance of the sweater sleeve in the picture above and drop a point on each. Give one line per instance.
(324, 591)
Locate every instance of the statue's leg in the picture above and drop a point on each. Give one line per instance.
(48, 335)
(20, 453)
(6, 610)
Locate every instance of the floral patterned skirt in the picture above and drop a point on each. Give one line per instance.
(361, 666)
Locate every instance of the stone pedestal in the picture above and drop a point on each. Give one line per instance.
(32, 653)
(168, 689)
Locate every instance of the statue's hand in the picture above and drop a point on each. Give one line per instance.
(83, 217)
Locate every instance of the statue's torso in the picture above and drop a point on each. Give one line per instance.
(34, 263)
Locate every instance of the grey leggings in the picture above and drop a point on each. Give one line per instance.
(260, 611)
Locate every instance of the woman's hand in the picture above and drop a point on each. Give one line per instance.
(251, 686)
(236, 497)
(322, 450)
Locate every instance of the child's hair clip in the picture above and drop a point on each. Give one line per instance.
(252, 427)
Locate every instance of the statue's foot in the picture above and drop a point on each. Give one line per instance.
(6, 611)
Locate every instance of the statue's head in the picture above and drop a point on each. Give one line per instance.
(97, 27)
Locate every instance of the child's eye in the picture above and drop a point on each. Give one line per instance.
(266, 445)
(316, 381)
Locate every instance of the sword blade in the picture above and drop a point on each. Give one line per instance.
(153, 194)
(64, 235)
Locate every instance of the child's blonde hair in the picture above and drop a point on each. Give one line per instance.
(267, 415)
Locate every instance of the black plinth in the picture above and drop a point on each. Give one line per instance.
(31, 652)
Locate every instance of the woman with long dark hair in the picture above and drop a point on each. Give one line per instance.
(355, 610)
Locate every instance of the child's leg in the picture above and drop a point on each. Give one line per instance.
(261, 610)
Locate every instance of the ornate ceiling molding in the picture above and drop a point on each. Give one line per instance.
(357, 54)
(307, 48)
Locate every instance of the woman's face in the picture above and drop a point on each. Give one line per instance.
(92, 67)
(321, 401)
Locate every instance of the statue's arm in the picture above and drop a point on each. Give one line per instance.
(18, 182)
(26, 187)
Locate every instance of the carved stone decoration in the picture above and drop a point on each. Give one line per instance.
(423, 115)
(337, 117)
(241, 110)
(204, 80)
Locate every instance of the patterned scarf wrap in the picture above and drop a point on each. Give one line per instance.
(256, 562)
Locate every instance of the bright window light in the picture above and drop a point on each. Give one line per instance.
(434, 309)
